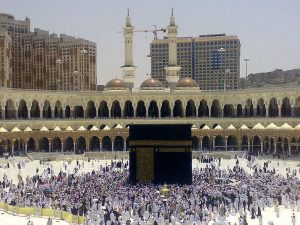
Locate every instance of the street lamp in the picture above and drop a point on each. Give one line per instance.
(246, 60)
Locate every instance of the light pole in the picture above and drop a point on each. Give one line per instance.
(246, 60)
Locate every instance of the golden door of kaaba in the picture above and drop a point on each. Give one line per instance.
(145, 164)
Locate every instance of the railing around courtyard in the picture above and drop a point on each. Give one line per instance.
(45, 212)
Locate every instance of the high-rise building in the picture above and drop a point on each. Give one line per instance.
(55, 62)
(5, 59)
(213, 61)
(15, 28)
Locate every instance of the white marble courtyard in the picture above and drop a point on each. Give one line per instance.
(30, 169)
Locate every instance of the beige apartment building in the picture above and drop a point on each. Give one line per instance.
(15, 29)
(5, 59)
(213, 61)
(53, 62)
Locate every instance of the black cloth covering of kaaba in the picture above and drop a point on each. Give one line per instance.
(171, 166)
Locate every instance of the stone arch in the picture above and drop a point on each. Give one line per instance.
(279, 147)
(165, 110)
(118, 143)
(128, 109)
(81, 145)
(44, 145)
(239, 110)
(106, 143)
(58, 112)
(190, 109)
(47, 110)
(91, 111)
(178, 109)
(249, 112)
(89, 126)
(141, 109)
(216, 109)
(31, 145)
(153, 109)
(115, 109)
(102, 126)
(261, 108)
(294, 146)
(244, 145)
(22, 110)
(273, 108)
(78, 111)
(56, 145)
(266, 145)
(232, 144)
(17, 147)
(285, 146)
(205, 143)
(103, 110)
(10, 110)
(256, 146)
(6, 146)
(228, 110)
(35, 109)
(67, 111)
(272, 145)
(69, 144)
(286, 109)
(219, 143)
(95, 144)
(203, 110)
(195, 143)
(297, 107)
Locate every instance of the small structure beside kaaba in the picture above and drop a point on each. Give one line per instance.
(160, 154)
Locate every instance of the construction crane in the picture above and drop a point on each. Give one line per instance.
(154, 31)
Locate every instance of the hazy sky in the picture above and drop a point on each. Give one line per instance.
(269, 30)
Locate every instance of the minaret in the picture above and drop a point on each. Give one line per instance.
(128, 69)
(172, 70)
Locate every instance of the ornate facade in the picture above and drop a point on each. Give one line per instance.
(253, 119)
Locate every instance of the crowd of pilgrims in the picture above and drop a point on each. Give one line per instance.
(105, 195)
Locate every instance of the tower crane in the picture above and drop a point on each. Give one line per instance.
(154, 31)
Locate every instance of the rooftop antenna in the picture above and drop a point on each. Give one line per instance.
(172, 11)
(127, 12)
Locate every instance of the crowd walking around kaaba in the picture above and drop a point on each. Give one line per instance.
(105, 196)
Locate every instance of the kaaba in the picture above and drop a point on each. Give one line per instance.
(160, 154)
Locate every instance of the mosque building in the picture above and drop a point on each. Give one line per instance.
(256, 120)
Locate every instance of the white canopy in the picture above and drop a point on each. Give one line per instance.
(15, 129)
(205, 127)
(28, 129)
(297, 127)
(194, 127)
(231, 127)
(258, 126)
(218, 127)
(44, 129)
(272, 126)
(3, 130)
(286, 126)
(106, 128)
(94, 128)
(81, 128)
(57, 128)
(244, 127)
(118, 126)
(69, 128)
